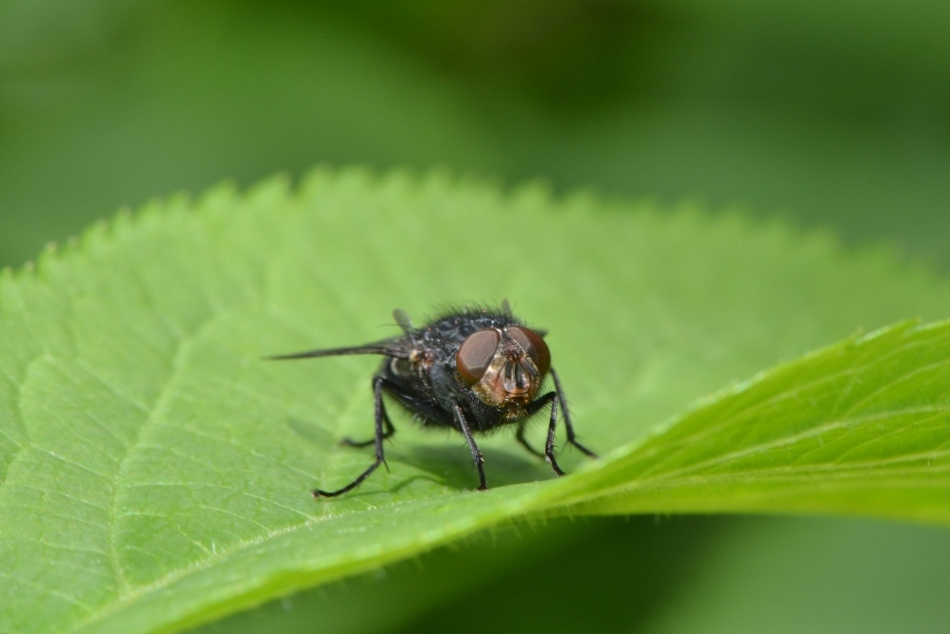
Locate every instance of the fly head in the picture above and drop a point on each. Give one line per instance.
(504, 367)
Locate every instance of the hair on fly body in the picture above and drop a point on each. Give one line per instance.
(473, 370)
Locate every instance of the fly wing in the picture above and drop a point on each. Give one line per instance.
(389, 347)
(402, 318)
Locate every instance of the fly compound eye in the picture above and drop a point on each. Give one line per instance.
(476, 354)
(533, 346)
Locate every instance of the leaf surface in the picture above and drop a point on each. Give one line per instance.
(862, 427)
(155, 471)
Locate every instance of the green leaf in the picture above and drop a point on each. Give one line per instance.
(155, 471)
(861, 427)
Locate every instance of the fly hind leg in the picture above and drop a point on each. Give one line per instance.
(384, 429)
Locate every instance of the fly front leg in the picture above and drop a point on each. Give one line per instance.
(550, 397)
(384, 429)
(552, 430)
(571, 437)
(476, 454)
(524, 441)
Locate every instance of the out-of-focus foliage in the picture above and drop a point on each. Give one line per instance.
(832, 113)
(835, 113)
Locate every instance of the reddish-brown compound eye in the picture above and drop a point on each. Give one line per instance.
(476, 354)
(533, 345)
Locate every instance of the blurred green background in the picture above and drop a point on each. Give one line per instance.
(831, 115)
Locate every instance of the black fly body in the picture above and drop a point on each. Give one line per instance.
(473, 370)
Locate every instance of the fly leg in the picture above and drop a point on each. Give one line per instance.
(552, 429)
(550, 397)
(390, 430)
(571, 437)
(524, 441)
(476, 454)
(382, 420)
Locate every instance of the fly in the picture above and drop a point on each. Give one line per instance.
(473, 370)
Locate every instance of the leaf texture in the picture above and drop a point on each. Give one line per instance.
(154, 471)
(862, 427)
